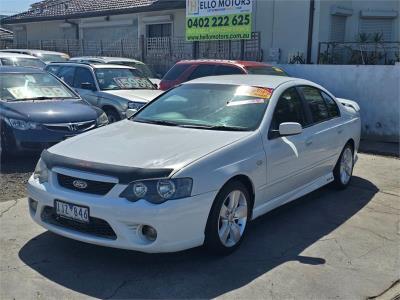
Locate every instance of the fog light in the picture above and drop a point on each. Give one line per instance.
(33, 205)
(149, 232)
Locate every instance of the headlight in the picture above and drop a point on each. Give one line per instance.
(22, 125)
(102, 120)
(41, 172)
(135, 105)
(158, 191)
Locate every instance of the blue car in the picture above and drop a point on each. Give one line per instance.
(37, 110)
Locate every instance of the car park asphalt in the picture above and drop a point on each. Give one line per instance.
(328, 244)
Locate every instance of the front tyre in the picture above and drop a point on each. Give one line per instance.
(344, 168)
(227, 222)
(112, 115)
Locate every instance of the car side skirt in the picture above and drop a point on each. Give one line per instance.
(292, 195)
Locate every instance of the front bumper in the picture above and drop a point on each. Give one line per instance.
(180, 224)
(37, 140)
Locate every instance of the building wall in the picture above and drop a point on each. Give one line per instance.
(325, 9)
(375, 88)
(283, 26)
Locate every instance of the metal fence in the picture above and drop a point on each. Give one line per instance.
(160, 53)
(359, 53)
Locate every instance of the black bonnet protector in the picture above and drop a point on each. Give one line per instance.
(124, 174)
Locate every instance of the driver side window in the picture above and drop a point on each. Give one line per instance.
(288, 109)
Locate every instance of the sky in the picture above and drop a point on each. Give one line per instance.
(11, 7)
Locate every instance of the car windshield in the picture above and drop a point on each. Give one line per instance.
(48, 58)
(208, 106)
(122, 79)
(266, 71)
(22, 62)
(141, 67)
(34, 86)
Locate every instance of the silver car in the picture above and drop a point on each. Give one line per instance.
(123, 61)
(115, 89)
(44, 55)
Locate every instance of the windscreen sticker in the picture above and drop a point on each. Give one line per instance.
(277, 69)
(131, 82)
(244, 102)
(252, 91)
(22, 92)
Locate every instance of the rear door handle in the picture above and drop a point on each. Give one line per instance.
(340, 130)
(308, 142)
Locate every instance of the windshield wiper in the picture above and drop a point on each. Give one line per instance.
(215, 127)
(157, 122)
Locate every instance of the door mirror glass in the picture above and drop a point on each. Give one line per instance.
(290, 128)
(87, 86)
(130, 113)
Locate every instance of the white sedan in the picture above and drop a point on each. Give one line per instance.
(195, 165)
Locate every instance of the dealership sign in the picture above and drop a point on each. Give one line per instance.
(218, 19)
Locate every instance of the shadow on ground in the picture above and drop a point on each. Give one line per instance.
(19, 164)
(273, 239)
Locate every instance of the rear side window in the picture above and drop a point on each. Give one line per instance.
(83, 75)
(316, 103)
(333, 109)
(202, 71)
(67, 75)
(176, 71)
(228, 70)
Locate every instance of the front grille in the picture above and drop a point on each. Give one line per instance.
(96, 227)
(71, 127)
(92, 187)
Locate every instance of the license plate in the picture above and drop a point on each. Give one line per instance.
(72, 211)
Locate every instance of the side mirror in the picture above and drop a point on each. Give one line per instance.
(87, 86)
(290, 128)
(130, 112)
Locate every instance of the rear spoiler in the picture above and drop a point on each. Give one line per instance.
(349, 103)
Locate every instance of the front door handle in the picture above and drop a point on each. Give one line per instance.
(308, 142)
(340, 130)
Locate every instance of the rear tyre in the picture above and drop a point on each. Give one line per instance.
(112, 115)
(344, 168)
(227, 222)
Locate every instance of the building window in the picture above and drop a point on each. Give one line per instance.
(338, 28)
(377, 25)
(159, 30)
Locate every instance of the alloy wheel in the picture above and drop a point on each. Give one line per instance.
(232, 218)
(346, 166)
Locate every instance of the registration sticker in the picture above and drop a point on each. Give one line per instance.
(252, 91)
(277, 69)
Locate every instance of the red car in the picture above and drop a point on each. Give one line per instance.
(186, 70)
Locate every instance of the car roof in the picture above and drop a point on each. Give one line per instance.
(242, 63)
(37, 51)
(94, 66)
(267, 81)
(107, 59)
(16, 55)
(20, 70)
